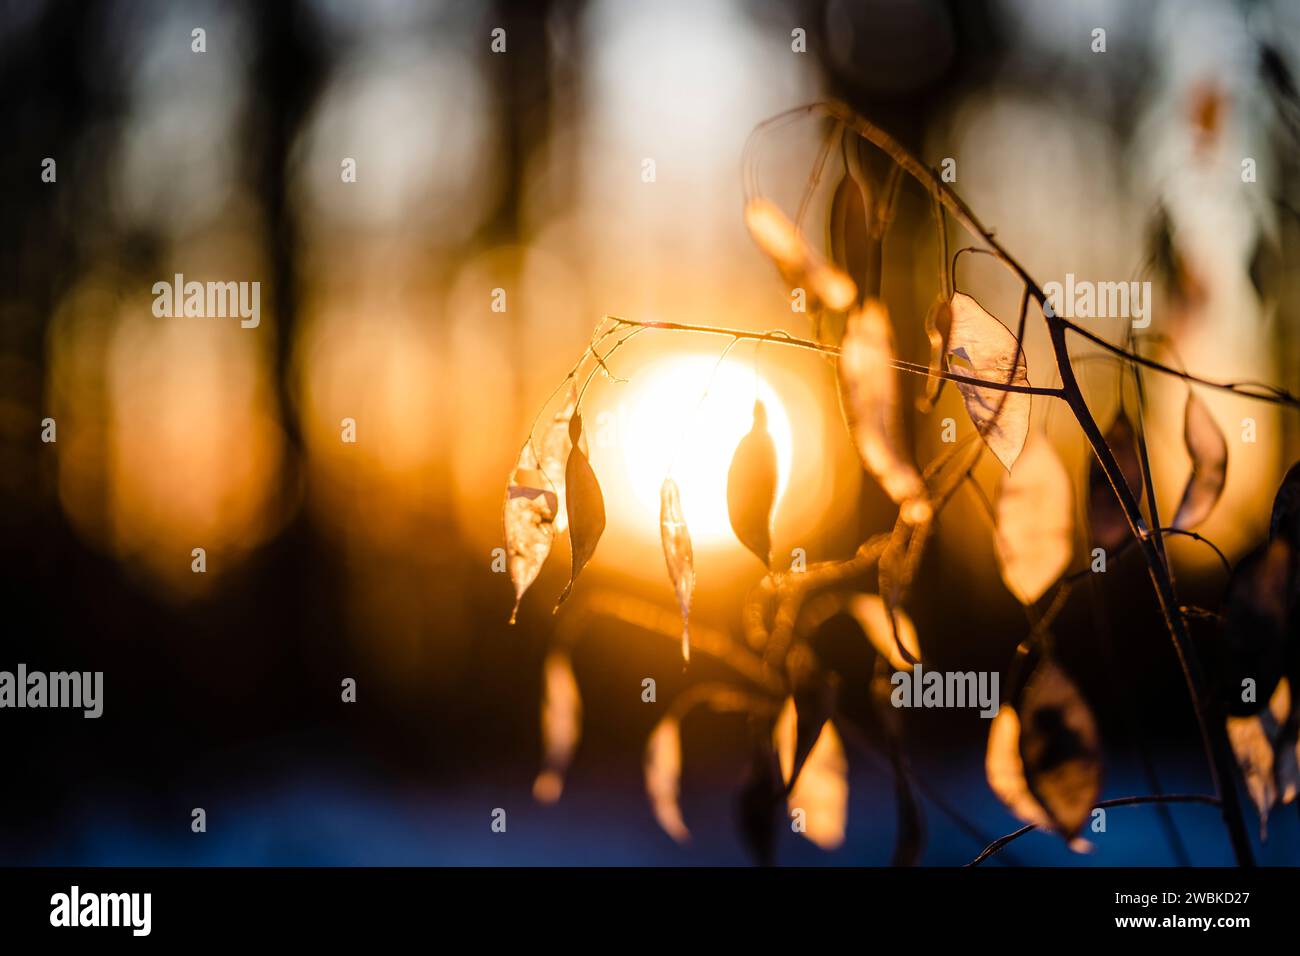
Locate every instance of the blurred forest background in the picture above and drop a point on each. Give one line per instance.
(523, 171)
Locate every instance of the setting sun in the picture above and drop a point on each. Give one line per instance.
(667, 426)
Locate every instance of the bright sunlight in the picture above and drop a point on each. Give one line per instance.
(671, 423)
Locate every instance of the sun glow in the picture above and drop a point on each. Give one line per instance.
(666, 425)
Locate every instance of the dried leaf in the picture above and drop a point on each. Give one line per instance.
(1209, 453)
(1005, 769)
(1105, 515)
(676, 538)
(894, 642)
(1255, 625)
(1286, 744)
(1044, 757)
(1060, 746)
(663, 773)
(1285, 518)
(555, 447)
(561, 725)
(938, 327)
(529, 514)
(1265, 747)
(798, 261)
(821, 790)
(1254, 752)
(586, 506)
(869, 398)
(1035, 522)
(777, 236)
(832, 286)
(813, 693)
(848, 227)
(751, 488)
(979, 346)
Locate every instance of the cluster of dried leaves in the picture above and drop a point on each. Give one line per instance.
(1258, 657)
(1044, 754)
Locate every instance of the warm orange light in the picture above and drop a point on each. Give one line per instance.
(665, 424)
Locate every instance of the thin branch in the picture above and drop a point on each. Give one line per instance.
(1258, 391)
(781, 338)
(1000, 842)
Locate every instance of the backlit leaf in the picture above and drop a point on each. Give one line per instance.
(1209, 453)
(777, 236)
(676, 538)
(1044, 758)
(751, 488)
(822, 788)
(1061, 748)
(872, 616)
(529, 515)
(832, 286)
(1034, 536)
(1253, 748)
(849, 234)
(813, 694)
(869, 398)
(1109, 526)
(979, 346)
(663, 774)
(938, 327)
(796, 259)
(1265, 748)
(555, 447)
(561, 725)
(1286, 745)
(586, 506)
(1005, 769)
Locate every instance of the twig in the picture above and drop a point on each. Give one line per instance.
(781, 338)
(1002, 841)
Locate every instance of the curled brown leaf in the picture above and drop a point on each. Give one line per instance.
(938, 326)
(1208, 450)
(1106, 516)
